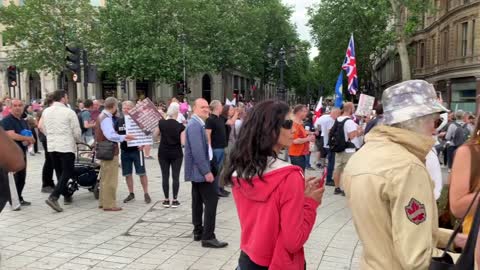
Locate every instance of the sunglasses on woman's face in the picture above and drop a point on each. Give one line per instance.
(287, 124)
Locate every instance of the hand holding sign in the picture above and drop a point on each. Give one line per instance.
(129, 137)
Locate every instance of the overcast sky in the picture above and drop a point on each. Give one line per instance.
(300, 19)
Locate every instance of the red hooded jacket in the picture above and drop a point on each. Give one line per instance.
(275, 217)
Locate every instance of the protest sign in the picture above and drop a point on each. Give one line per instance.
(146, 116)
(140, 137)
(365, 105)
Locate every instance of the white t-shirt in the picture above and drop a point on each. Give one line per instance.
(433, 168)
(350, 126)
(181, 119)
(324, 123)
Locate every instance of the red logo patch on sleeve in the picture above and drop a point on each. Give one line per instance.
(416, 211)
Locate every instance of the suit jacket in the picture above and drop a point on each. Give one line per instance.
(197, 161)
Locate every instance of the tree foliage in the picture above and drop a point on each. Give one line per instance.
(141, 39)
(144, 39)
(39, 30)
(376, 24)
(333, 21)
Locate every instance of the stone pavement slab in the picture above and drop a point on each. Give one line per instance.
(148, 236)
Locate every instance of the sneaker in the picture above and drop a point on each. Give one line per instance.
(54, 204)
(147, 198)
(67, 200)
(175, 204)
(130, 197)
(25, 203)
(47, 190)
(310, 169)
(166, 203)
(338, 191)
(224, 191)
(222, 194)
(330, 184)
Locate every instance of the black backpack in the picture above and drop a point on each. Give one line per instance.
(461, 134)
(337, 141)
(80, 120)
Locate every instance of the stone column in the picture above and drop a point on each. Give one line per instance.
(478, 95)
(449, 93)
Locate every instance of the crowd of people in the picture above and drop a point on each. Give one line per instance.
(387, 164)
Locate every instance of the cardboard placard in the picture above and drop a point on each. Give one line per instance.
(365, 105)
(146, 115)
(140, 137)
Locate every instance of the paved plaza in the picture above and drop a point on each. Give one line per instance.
(148, 236)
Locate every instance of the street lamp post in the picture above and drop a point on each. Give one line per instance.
(281, 63)
(183, 40)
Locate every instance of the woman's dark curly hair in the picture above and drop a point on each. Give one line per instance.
(257, 137)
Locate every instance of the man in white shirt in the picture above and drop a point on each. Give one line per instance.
(325, 123)
(62, 129)
(352, 136)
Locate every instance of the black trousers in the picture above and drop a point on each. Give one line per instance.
(4, 188)
(20, 177)
(64, 163)
(35, 145)
(47, 171)
(204, 194)
(165, 164)
(451, 150)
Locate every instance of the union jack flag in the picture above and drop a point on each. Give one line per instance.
(350, 67)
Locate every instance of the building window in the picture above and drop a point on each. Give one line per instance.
(466, 1)
(464, 38)
(434, 52)
(449, 4)
(445, 47)
(422, 55)
(473, 37)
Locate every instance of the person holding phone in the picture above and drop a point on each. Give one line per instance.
(265, 186)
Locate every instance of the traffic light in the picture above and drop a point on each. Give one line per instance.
(73, 62)
(12, 76)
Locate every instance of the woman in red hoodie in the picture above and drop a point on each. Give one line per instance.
(276, 206)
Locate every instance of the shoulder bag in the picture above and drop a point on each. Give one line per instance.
(467, 259)
(104, 150)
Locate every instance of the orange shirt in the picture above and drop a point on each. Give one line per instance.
(297, 150)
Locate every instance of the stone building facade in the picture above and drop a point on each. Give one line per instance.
(445, 52)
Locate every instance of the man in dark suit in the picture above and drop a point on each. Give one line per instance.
(199, 172)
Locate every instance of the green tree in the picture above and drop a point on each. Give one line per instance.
(140, 39)
(405, 24)
(376, 24)
(333, 21)
(39, 30)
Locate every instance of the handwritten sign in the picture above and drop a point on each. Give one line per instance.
(140, 138)
(365, 105)
(146, 116)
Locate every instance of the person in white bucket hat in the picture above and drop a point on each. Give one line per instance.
(388, 187)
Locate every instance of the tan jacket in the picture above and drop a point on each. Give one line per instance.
(390, 194)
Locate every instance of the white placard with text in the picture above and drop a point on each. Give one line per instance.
(133, 129)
